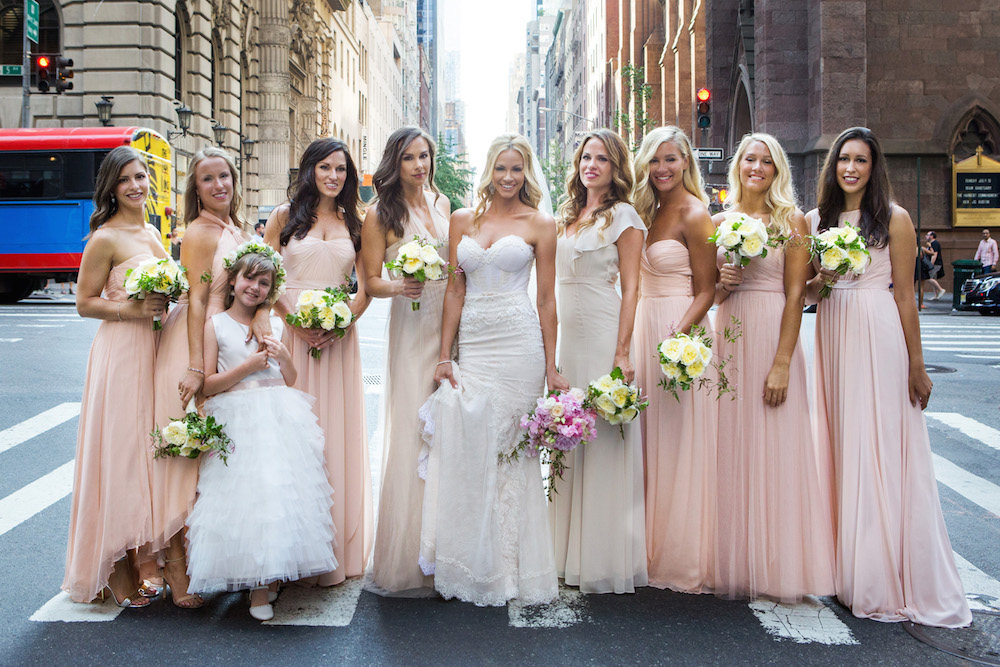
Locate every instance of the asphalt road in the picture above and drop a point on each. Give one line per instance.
(43, 348)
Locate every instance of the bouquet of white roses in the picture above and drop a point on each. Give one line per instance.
(190, 436)
(156, 276)
(255, 248)
(419, 259)
(840, 249)
(742, 238)
(322, 309)
(684, 359)
(615, 401)
(559, 423)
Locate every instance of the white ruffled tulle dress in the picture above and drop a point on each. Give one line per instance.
(265, 516)
(485, 531)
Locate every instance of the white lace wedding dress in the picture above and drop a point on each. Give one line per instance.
(485, 533)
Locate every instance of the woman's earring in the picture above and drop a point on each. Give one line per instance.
(491, 189)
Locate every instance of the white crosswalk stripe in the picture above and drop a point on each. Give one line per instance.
(810, 621)
(958, 335)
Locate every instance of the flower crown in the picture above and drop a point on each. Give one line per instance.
(255, 248)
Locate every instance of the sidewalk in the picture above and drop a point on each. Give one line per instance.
(943, 306)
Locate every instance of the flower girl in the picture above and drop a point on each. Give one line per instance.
(264, 516)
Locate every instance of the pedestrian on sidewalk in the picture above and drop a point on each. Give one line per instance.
(987, 252)
(933, 252)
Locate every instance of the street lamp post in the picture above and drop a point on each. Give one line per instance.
(569, 113)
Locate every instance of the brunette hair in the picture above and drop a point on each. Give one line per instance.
(192, 204)
(303, 194)
(105, 203)
(622, 180)
(780, 198)
(643, 194)
(392, 211)
(252, 265)
(876, 203)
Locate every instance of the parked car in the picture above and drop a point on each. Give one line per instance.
(982, 293)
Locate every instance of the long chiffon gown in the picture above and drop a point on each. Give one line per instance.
(894, 559)
(414, 341)
(175, 479)
(598, 521)
(679, 436)
(110, 512)
(775, 520)
(335, 381)
(485, 531)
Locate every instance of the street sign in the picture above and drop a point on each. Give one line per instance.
(10, 70)
(31, 20)
(709, 153)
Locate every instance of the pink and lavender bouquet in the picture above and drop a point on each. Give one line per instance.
(559, 423)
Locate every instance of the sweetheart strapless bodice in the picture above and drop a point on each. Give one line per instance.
(503, 267)
(665, 269)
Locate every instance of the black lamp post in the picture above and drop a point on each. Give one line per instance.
(184, 115)
(219, 131)
(104, 109)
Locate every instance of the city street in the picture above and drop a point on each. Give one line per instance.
(44, 345)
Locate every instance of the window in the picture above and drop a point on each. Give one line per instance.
(31, 176)
(12, 34)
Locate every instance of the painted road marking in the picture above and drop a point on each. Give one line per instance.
(982, 590)
(566, 610)
(808, 622)
(40, 423)
(29, 500)
(330, 607)
(978, 356)
(10, 340)
(984, 493)
(62, 609)
(970, 427)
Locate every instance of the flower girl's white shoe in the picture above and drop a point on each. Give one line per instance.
(262, 612)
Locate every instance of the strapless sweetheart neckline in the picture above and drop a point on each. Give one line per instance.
(495, 243)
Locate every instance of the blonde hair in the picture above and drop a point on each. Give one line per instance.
(192, 205)
(622, 180)
(531, 191)
(643, 194)
(780, 196)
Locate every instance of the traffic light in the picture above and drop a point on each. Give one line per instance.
(44, 74)
(64, 72)
(704, 102)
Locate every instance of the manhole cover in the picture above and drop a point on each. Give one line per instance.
(931, 368)
(978, 643)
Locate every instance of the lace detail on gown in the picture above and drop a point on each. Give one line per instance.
(485, 532)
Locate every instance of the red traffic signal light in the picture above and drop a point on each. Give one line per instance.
(704, 116)
(43, 73)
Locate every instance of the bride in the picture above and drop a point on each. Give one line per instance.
(485, 533)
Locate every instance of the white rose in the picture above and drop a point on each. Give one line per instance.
(132, 283)
(696, 369)
(690, 352)
(620, 396)
(604, 384)
(433, 272)
(730, 240)
(859, 260)
(751, 247)
(344, 314)
(832, 258)
(829, 237)
(628, 414)
(671, 349)
(429, 254)
(605, 404)
(848, 234)
(577, 393)
(175, 433)
(187, 449)
(549, 403)
(411, 249)
(557, 410)
(412, 265)
(671, 369)
(614, 420)
(706, 354)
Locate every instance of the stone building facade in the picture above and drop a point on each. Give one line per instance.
(278, 73)
(923, 75)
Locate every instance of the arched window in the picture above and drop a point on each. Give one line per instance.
(182, 51)
(216, 56)
(12, 34)
(977, 128)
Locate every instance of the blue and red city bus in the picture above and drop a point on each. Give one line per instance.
(46, 197)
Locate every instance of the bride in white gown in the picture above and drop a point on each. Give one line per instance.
(485, 533)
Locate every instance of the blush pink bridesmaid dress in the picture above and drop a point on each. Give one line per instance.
(679, 437)
(110, 511)
(335, 381)
(894, 560)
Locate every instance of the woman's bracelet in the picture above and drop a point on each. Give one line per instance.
(195, 370)
(446, 361)
(120, 311)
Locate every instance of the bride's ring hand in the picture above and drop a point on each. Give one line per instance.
(443, 372)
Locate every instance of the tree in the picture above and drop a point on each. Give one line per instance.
(451, 175)
(554, 168)
(636, 93)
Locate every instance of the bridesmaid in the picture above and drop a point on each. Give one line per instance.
(404, 209)
(318, 234)
(214, 228)
(110, 513)
(894, 561)
(775, 522)
(677, 274)
(598, 521)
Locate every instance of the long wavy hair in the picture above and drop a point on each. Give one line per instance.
(876, 203)
(303, 194)
(622, 180)
(392, 210)
(105, 202)
(644, 194)
(531, 191)
(192, 205)
(250, 266)
(780, 196)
